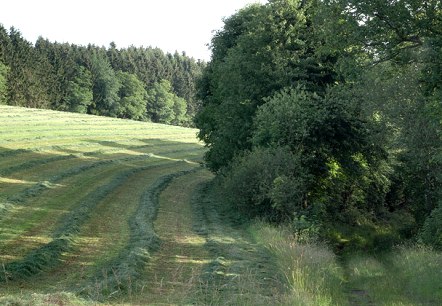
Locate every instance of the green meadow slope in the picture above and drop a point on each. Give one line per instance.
(100, 210)
(97, 211)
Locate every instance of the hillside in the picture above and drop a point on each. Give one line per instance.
(95, 209)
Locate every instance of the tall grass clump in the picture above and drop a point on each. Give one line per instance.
(312, 273)
(406, 276)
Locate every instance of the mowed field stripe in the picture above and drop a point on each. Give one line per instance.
(71, 186)
(105, 235)
(29, 226)
(174, 270)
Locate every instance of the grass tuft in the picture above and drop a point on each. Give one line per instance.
(311, 270)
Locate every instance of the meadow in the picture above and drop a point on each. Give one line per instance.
(97, 210)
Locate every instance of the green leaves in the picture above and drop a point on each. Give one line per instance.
(164, 106)
(79, 95)
(133, 97)
(261, 50)
(105, 87)
(3, 82)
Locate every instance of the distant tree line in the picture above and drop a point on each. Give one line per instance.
(328, 115)
(134, 83)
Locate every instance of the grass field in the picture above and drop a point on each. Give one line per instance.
(106, 211)
(99, 210)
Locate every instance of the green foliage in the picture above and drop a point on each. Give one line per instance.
(105, 87)
(133, 97)
(431, 232)
(27, 75)
(63, 76)
(79, 95)
(261, 50)
(351, 89)
(330, 139)
(268, 183)
(3, 83)
(164, 106)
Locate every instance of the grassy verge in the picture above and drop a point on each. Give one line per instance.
(240, 271)
(311, 270)
(406, 276)
(36, 299)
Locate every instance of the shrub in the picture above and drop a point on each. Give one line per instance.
(266, 182)
(431, 232)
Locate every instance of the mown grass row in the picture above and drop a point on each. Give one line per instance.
(68, 227)
(44, 207)
(119, 276)
(49, 254)
(34, 191)
(33, 163)
(37, 189)
(241, 272)
(19, 128)
(60, 174)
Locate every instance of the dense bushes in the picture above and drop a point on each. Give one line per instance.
(431, 232)
(266, 183)
(327, 110)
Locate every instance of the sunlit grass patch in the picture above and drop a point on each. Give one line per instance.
(6, 180)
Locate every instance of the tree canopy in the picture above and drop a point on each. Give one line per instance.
(346, 94)
(96, 80)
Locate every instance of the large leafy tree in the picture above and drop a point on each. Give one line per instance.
(400, 43)
(105, 87)
(262, 49)
(133, 97)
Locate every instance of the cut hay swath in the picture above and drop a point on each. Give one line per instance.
(45, 154)
(96, 209)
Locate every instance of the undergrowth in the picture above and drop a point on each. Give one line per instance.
(311, 270)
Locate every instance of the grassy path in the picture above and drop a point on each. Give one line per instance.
(175, 268)
(203, 259)
(241, 272)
